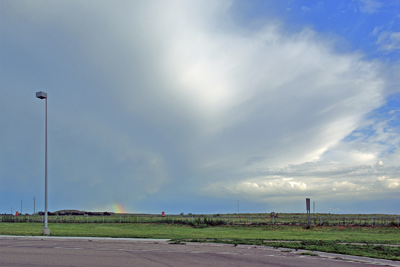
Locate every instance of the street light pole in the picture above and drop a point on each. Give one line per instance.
(46, 230)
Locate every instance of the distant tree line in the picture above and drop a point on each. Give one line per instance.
(76, 213)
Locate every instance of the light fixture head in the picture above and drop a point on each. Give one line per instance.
(41, 95)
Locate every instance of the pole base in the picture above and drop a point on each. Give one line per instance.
(46, 231)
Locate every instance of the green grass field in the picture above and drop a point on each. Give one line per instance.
(146, 230)
(329, 239)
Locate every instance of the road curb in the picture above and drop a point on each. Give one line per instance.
(85, 238)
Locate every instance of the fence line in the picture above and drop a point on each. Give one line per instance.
(234, 219)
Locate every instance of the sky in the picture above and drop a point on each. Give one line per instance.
(201, 106)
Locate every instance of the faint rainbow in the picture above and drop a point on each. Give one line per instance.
(118, 208)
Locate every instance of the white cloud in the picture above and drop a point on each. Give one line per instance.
(370, 6)
(389, 41)
(364, 165)
(243, 95)
(388, 182)
(321, 180)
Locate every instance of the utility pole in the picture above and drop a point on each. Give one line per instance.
(46, 230)
(21, 206)
(308, 211)
(34, 206)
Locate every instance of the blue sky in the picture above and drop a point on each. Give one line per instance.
(190, 106)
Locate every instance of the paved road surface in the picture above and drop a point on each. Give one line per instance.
(53, 251)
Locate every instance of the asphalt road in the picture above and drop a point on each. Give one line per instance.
(53, 251)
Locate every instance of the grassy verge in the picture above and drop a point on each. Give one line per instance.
(327, 239)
